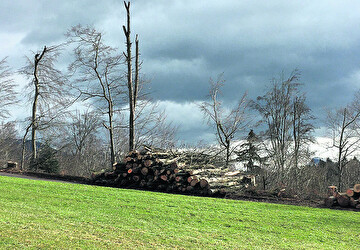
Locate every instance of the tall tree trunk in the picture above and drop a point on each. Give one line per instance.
(129, 80)
(111, 133)
(132, 87)
(23, 147)
(340, 169)
(228, 153)
(296, 134)
(34, 121)
(136, 70)
(340, 156)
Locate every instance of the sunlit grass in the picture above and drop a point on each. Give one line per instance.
(43, 214)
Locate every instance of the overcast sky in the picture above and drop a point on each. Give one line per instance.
(184, 43)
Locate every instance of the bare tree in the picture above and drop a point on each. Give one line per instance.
(147, 125)
(34, 122)
(7, 92)
(302, 135)
(227, 123)
(49, 98)
(288, 122)
(344, 126)
(98, 66)
(132, 85)
(82, 130)
(302, 128)
(81, 149)
(152, 129)
(8, 142)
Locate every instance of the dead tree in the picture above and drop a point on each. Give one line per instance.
(152, 129)
(344, 126)
(302, 135)
(50, 94)
(34, 122)
(82, 128)
(8, 96)
(302, 127)
(98, 66)
(8, 141)
(226, 123)
(146, 123)
(132, 85)
(276, 109)
(82, 148)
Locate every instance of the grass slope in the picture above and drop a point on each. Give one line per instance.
(43, 214)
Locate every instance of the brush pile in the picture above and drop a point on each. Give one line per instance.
(144, 170)
(351, 198)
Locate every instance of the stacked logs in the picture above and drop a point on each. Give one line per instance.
(351, 198)
(144, 170)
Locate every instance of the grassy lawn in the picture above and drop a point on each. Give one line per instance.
(43, 214)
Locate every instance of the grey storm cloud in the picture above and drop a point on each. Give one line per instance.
(251, 43)
(183, 43)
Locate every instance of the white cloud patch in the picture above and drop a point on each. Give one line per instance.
(10, 43)
(187, 115)
(323, 148)
(189, 120)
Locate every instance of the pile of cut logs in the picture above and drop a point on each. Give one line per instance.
(145, 170)
(351, 198)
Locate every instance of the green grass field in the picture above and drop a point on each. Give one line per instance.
(43, 214)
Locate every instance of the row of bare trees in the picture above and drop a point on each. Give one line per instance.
(280, 152)
(74, 109)
(288, 127)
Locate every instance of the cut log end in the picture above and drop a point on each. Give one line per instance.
(343, 201)
(164, 177)
(204, 183)
(357, 188)
(148, 163)
(350, 192)
(144, 171)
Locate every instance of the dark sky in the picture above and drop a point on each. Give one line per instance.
(184, 43)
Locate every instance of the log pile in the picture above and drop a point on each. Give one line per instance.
(145, 170)
(350, 198)
(205, 165)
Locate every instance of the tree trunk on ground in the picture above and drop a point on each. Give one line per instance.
(330, 201)
(343, 200)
